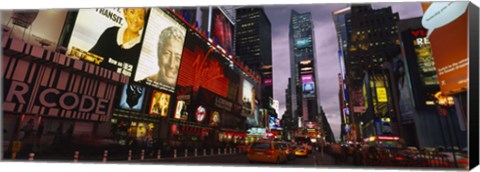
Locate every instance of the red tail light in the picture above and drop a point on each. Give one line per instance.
(399, 158)
(270, 151)
(249, 150)
(463, 161)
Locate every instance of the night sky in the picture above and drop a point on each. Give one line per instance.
(326, 45)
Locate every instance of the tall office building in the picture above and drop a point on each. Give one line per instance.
(253, 45)
(302, 61)
(372, 41)
(343, 38)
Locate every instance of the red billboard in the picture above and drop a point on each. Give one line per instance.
(222, 30)
(202, 66)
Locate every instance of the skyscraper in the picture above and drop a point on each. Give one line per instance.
(253, 44)
(302, 61)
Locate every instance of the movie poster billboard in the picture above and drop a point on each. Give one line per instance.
(109, 37)
(222, 30)
(160, 102)
(189, 14)
(132, 97)
(181, 110)
(44, 27)
(402, 80)
(248, 99)
(214, 118)
(202, 66)
(162, 50)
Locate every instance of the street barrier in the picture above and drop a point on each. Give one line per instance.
(30, 156)
(219, 151)
(159, 152)
(186, 152)
(75, 156)
(175, 153)
(142, 155)
(211, 151)
(129, 155)
(225, 151)
(204, 152)
(195, 152)
(105, 156)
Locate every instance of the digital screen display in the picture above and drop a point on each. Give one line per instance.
(189, 14)
(109, 37)
(132, 97)
(406, 102)
(307, 78)
(159, 103)
(202, 67)
(161, 51)
(214, 118)
(222, 30)
(268, 82)
(308, 89)
(44, 26)
(304, 42)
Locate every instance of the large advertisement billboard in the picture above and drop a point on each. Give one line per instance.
(222, 30)
(132, 97)
(44, 27)
(448, 35)
(402, 80)
(161, 51)
(109, 37)
(248, 99)
(159, 103)
(202, 66)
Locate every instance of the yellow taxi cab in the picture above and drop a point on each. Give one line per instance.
(266, 151)
(301, 151)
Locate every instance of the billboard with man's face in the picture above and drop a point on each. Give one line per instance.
(161, 51)
(109, 37)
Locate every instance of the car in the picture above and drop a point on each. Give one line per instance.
(289, 149)
(266, 151)
(301, 151)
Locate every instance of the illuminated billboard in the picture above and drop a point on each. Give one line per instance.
(189, 14)
(248, 99)
(214, 118)
(159, 104)
(202, 66)
(44, 26)
(303, 42)
(307, 78)
(222, 30)
(308, 89)
(181, 110)
(109, 37)
(449, 44)
(132, 97)
(161, 51)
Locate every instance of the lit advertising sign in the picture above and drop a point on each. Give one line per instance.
(132, 97)
(308, 89)
(448, 34)
(425, 61)
(160, 103)
(222, 30)
(109, 37)
(188, 14)
(44, 27)
(303, 42)
(181, 110)
(162, 49)
(72, 95)
(268, 82)
(202, 67)
(200, 114)
(307, 78)
(381, 94)
(215, 118)
(248, 98)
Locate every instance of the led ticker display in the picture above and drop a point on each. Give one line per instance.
(44, 26)
(160, 103)
(109, 37)
(161, 51)
(132, 97)
(222, 30)
(202, 66)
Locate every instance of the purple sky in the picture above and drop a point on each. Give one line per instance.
(326, 51)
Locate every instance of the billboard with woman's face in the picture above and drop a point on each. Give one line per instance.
(160, 103)
(109, 37)
(161, 51)
(222, 30)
